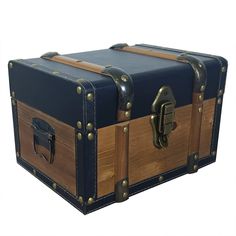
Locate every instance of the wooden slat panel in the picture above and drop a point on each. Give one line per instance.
(62, 170)
(144, 159)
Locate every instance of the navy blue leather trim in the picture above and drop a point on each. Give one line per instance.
(90, 146)
(47, 181)
(218, 107)
(148, 183)
(16, 126)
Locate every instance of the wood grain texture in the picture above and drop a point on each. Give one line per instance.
(63, 169)
(145, 160)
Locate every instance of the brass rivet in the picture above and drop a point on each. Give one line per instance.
(89, 126)
(125, 129)
(127, 114)
(90, 136)
(125, 195)
(200, 109)
(79, 90)
(34, 171)
(195, 157)
(124, 183)
(13, 101)
(90, 201)
(80, 199)
(13, 94)
(124, 78)
(161, 178)
(54, 185)
(90, 97)
(56, 72)
(128, 105)
(79, 124)
(10, 65)
(223, 69)
(195, 167)
(200, 97)
(79, 136)
(202, 88)
(213, 153)
(219, 101)
(220, 93)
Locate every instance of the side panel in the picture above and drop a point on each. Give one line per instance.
(63, 169)
(146, 161)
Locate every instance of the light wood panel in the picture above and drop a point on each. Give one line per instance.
(63, 169)
(145, 160)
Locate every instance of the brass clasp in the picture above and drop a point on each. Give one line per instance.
(162, 119)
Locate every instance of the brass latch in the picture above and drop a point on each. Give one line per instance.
(162, 119)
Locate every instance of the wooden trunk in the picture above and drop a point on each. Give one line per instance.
(97, 134)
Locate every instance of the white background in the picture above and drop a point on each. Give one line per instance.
(199, 204)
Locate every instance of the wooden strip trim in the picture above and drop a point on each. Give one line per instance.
(196, 121)
(121, 161)
(78, 64)
(148, 52)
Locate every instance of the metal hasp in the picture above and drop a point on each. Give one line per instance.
(162, 119)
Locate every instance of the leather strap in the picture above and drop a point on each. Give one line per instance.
(122, 80)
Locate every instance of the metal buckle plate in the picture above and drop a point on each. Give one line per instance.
(162, 119)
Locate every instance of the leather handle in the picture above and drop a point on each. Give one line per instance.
(43, 135)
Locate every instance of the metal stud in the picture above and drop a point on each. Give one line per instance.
(90, 97)
(127, 114)
(200, 109)
(13, 94)
(221, 92)
(17, 154)
(223, 69)
(200, 97)
(128, 105)
(219, 101)
(202, 89)
(195, 157)
(54, 185)
(125, 129)
(124, 183)
(161, 178)
(90, 136)
(13, 101)
(213, 153)
(89, 126)
(55, 72)
(124, 78)
(79, 136)
(34, 171)
(80, 199)
(79, 90)
(195, 167)
(79, 124)
(10, 65)
(125, 195)
(90, 201)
